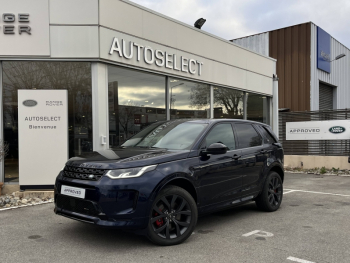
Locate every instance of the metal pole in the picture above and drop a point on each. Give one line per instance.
(275, 127)
(167, 98)
(245, 99)
(2, 172)
(211, 102)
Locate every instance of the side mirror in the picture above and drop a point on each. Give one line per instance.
(215, 148)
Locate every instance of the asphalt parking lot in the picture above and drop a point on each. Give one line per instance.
(312, 225)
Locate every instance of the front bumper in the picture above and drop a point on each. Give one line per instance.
(129, 224)
(121, 203)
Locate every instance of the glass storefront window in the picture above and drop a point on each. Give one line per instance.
(257, 108)
(135, 100)
(188, 99)
(75, 77)
(228, 103)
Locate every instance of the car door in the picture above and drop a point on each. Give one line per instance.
(253, 156)
(219, 175)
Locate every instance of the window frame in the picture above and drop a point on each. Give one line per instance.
(263, 129)
(211, 128)
(257, 131)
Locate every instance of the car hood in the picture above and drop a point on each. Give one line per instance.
(126, 158)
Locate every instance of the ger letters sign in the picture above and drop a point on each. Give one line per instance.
(24, 28)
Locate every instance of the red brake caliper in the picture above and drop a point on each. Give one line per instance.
(160, 221)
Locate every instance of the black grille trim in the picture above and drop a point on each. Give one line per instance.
(91, 174)
(76, 205)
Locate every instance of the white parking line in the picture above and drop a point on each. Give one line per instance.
(259, 233)
(250, 233)
(299, 260)
(284, 193)
(313, 192)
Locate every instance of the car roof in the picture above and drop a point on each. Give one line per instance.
(210, 121)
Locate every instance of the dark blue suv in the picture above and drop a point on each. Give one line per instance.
(161, 179)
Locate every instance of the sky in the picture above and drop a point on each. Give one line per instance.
(231, 19)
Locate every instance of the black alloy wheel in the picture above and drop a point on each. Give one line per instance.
(275, 191)
(173, 216)
(270, 198)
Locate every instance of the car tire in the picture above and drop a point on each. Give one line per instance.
(270, 198)
(173, 217)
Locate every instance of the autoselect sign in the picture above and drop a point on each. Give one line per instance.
(131, 50)
(318, 130)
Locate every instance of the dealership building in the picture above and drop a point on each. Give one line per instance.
(84, 75)
(314, 92)
(310, 76)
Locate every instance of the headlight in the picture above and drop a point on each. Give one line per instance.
(130, 172)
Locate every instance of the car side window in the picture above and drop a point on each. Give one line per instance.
(247, 136)
(268, 139)
(221, 133)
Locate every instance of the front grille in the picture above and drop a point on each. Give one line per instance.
(76, 205)
(83, 173)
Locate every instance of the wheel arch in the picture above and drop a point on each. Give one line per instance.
(180, 181)
(185, 184)
(278, 169)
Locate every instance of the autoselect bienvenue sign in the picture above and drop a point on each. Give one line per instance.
(130, 49)
(42, 135)
(318, 130)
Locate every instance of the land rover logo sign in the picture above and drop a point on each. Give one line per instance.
(30, 103)
(337, 129)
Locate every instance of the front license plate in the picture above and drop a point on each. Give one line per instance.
(73, 191)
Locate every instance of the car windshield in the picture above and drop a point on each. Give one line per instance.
(172, 135)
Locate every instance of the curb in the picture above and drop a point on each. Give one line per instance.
(15, 207)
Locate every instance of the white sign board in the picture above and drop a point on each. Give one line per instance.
(42, 135)
(318, 130)
(24, 28)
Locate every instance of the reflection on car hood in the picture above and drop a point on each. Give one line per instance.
(126, 157)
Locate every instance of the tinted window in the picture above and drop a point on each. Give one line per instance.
(268, 137)
(188, 99)
(75, 77)
(172, 135)
(135, 100)
(221, 133)
(273, 135)
(247, 136)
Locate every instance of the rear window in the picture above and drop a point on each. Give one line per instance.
(268, 138)
(247, 136)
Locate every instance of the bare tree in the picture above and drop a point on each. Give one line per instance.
(4, 149)
(127, 116)
(229, 99)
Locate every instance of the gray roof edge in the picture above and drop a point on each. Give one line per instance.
(193, 28)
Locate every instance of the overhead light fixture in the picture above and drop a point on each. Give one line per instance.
(338, 57)
(199, 23)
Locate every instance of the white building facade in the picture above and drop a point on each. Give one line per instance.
(122, 67)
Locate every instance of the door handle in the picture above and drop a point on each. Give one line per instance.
(263, 151)
(236, 157)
